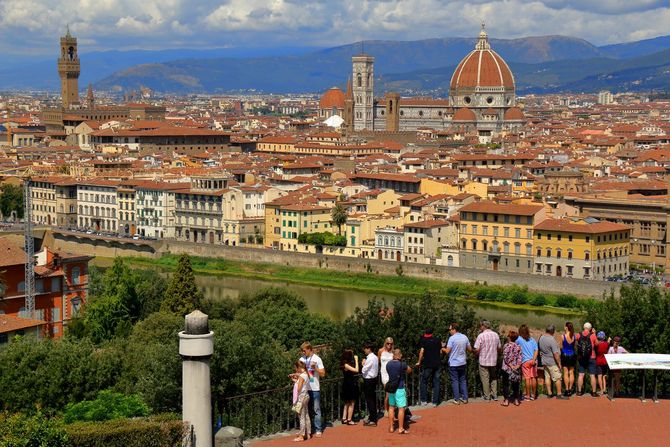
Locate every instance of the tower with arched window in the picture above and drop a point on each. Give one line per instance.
(363, 91)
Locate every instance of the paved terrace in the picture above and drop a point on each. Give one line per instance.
(580, 421)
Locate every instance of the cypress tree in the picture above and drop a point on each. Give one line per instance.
(182, 295)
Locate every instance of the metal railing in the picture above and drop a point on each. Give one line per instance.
(268, 412)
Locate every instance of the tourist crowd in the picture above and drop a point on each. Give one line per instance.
(517, 361)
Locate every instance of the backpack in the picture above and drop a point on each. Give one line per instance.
(393, 383)
(584, 346)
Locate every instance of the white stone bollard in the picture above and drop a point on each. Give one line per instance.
(196, 345)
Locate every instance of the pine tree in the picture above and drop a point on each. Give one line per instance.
(182, 295)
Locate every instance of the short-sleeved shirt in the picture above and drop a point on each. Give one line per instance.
(458, 344)
(431, 351)
(548, 347)
(594, 342)
(528, 348)
(488, 343)
(312, 373)
(601, 349)
(396, 368)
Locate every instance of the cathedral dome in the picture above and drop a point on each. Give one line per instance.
(514, 114)
(332, 99)
(482, 68)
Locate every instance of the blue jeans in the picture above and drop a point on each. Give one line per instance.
(426, 375)
(315, 410)
(458, 382)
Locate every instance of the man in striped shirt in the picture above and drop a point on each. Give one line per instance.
(487, 347)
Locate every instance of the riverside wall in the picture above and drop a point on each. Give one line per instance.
(111, 248)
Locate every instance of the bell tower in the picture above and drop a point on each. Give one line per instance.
(68, 70)
(363, 90)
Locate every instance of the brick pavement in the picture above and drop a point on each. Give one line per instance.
(578, 421)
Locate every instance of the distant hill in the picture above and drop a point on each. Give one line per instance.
(545, 63)
(320, 70)
(649, 72)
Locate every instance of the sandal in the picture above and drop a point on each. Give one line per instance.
(345, 421)
(298, 439)
(517, 403)
(351, 423)
(504, 403)
(402, 431)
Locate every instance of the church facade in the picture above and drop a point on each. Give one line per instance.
(481, 99)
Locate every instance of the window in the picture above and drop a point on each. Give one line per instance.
(548, 252)
(570, 238)
(588, 239)
(485, 230)
(464, 228)
(549, 236)
(539, 251)
(558, 253)
(569, 254)
(495, 231)
(529, 234)
(517, 249)
(517, 233)
(539, 236)
(474, 229)
(587, 256)
(506, 231)
(75, 273)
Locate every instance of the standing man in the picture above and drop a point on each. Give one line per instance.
(550, 355)
(457, 346)
(586, 358)
(487, 347)
(429, 358)
(370, 373)
(315, 371)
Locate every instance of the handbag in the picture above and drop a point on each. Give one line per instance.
(301, 402)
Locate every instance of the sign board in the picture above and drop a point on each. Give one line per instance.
(638, 361)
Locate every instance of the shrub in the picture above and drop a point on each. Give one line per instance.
(518, 295)
(108, 405)
(538, 300)
(566, 301)
(37, 430)
(158, 431)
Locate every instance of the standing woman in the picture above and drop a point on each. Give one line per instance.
(529, 366)
(568, 358)
(511, 369)
(616, 348)
(349, 367)
(300, 395)
(385, 355)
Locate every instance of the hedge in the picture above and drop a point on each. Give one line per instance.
(156, 431)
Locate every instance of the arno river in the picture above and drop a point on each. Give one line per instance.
(339, 304)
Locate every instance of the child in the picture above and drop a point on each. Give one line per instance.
(300, 395)
(601, 348)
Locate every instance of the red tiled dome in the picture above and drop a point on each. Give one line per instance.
(483, 67)
(514, 114)
(333, 98)
(464, 114)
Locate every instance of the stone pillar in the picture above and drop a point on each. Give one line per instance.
(196, 346)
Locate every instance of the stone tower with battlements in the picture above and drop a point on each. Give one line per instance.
(68, 70)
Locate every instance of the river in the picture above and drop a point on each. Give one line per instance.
(339, 304)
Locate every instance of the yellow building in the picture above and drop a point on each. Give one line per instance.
(385, 200)
(581, 248)
(436, 187)
(285, 222)
(498, 236)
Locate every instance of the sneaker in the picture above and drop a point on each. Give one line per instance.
(494, 398)
(562, 397)
(464, 401)
(455, 402)
(423, 404)
(486, 398)
(594, 394)
(370, 424)
(318, 434)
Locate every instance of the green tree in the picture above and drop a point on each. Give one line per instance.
(11, 199)
(339, 216)
(182, 294)
(18, 430)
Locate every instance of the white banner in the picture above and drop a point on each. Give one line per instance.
(638, 361)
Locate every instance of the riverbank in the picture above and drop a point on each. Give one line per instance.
(509, 297)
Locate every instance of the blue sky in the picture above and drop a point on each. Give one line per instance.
(32, 26)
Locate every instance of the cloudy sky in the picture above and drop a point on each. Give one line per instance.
(30, 26)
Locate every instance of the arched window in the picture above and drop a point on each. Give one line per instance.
(386, 240)
(506, 247)
(517, 248)
(75, 275)
(463, 243)
(379, 239)
(359, 80)
(548, 252)
(558, 253)
(474, 244)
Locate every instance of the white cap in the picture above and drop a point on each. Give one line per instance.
(587, 326)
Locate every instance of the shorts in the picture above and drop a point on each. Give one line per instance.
(602, 370)
(569, 361)
(552, 372)
(529, 370)
(398, 399)
(588, 365)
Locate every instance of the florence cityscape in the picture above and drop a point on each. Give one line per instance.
(258, 222)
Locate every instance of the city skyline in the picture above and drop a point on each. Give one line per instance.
(28, 27)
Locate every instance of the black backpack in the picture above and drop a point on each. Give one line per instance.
(584, 346)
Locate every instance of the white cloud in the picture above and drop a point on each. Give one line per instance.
(34, 25)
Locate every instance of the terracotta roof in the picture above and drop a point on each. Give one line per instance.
(11, 323)
(513, 114)
(464, 114)
(11, 253)
(580, 226)
(482, 68)
(333, 98)
(497, 208)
